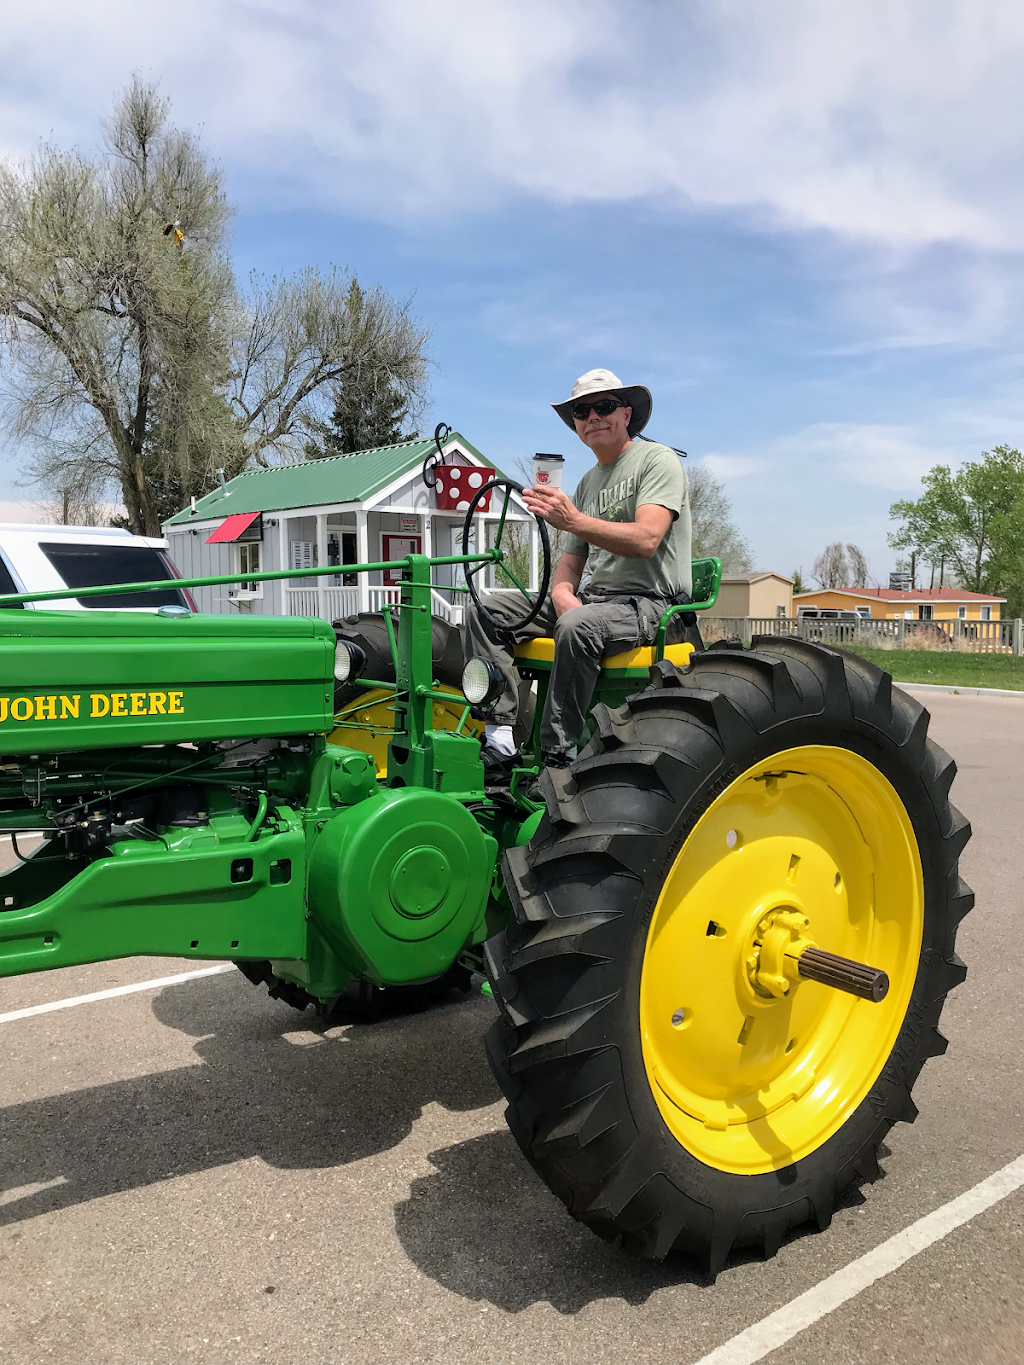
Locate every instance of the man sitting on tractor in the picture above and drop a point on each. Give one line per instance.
(628, 522)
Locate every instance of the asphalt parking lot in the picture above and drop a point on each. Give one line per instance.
(196, 1173)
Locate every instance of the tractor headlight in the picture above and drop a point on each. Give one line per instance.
(349, 661)
(482, 681)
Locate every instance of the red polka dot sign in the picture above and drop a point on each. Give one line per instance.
(457, 484)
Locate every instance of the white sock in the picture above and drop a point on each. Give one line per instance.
(500, 737)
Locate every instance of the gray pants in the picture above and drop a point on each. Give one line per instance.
(582, 635)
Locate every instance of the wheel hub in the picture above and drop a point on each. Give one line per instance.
(776, 945)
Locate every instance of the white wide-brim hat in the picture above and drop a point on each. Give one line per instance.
(603, 381)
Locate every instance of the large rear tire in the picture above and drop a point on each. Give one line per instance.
(660, 1091)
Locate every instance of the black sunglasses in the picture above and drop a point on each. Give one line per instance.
(604, 407)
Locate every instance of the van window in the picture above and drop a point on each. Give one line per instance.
(7, 584)
(92, 566)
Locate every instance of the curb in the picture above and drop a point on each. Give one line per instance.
(960, 691)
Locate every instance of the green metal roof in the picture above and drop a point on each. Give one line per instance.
(315, 483)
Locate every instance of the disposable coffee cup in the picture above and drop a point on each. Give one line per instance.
(547, 470)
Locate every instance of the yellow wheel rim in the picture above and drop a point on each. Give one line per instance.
(370, 725)
(747, 1082)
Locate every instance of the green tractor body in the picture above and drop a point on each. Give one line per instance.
(262, 840)
(667, 926)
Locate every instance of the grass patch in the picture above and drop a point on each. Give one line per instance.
(952, 669)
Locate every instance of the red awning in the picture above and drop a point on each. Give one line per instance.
(232, 527)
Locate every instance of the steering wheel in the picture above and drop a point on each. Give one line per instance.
(533, 606)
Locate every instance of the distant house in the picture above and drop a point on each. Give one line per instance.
(915, 604)
(754, 594)
(367, 507)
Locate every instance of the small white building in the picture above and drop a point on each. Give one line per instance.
(370, 506)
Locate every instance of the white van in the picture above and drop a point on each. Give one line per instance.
(834, 613)
(47, 558)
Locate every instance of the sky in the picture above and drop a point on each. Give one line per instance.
(799, 224)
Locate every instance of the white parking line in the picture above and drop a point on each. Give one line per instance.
(785, 1323)
(11, 1015)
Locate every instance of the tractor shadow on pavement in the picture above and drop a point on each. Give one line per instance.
(486, 1228)
(272, 1083)
(306, 1094)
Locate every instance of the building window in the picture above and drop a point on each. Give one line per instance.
(249, 562)
(924, 611)
(986, 613)
(780, 611)
(961, 613)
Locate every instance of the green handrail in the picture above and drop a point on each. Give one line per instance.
(170, 584)
(707, 579)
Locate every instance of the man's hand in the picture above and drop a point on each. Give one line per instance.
(556, 507)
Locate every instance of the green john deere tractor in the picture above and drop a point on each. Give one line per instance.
(719, 944)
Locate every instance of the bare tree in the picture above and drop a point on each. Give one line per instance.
(714, 531)
(75, 481)
(858, 564)
(121, 313)
(840, 566)
(830, 568)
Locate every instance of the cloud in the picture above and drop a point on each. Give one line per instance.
(727, 467)
(894, 124)
(880, 456)
(889, 457)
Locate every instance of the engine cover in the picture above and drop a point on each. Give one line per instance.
(95, 679)
(398, 882)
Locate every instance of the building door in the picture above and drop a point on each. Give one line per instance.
(397, 547)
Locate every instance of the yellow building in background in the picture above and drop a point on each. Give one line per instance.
(914, 604)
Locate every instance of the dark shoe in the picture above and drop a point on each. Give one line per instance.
(498, 767)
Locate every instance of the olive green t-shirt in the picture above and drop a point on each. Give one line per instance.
(645, 472)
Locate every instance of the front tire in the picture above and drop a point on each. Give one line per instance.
(652, 1083)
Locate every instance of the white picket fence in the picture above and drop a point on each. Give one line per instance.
(972, 637)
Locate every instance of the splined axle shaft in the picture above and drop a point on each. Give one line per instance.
(869, 983)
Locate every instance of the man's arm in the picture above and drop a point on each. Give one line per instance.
(565, 581)
(632, 539)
